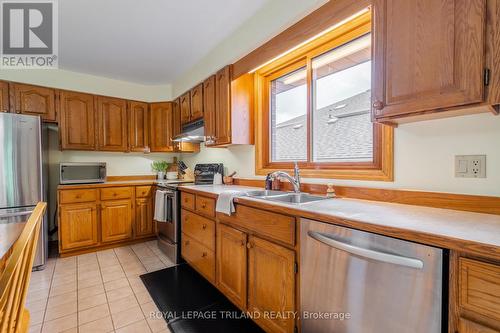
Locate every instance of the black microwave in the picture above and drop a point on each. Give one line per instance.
(82, 172)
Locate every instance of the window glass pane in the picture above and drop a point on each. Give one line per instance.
(342, 130)
(289, 117)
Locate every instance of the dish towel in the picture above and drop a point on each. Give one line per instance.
(225, 202)
(160, 213)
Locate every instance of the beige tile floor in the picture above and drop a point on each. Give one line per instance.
(97, 292)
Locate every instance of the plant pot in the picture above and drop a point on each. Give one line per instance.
(161, 175)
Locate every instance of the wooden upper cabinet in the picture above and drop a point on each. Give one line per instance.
(231, 264)
(197, 102)
(271, 283)
(116, 220)
(161, 127)
(112, 124)
(77, 119)
(427, 55)
(35, 101)
(185, 105)
(138, 126)
(223, 106)
(209, 109)
(4, 96)
(176, 117)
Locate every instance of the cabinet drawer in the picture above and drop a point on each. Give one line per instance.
(112, 193)
(74, 196)
(198, 256)
(187, 200)
(143, 191)
(205, 206)
(199, 228)
(479, 287)
(277, 226)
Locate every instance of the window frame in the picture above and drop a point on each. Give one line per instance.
(380, 168)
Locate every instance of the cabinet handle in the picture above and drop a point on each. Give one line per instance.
(203, 205)
(204, 226)
(242, 243)
(249, 245)
(186, 242)
(204, 254)
(378, 105)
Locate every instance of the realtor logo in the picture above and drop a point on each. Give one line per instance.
(29, 34)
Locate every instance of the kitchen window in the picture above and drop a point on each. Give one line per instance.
(314, 107)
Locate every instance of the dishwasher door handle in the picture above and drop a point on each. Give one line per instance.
(366, 253)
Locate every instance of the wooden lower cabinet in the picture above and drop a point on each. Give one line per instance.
(78, 225)
(116, 220)
(271, 284)
(232, 264)
(93, 217)
(199, 256)
(144, 217)
(466, 326)
(258, 276)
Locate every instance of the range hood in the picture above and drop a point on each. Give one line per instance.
(192, 132)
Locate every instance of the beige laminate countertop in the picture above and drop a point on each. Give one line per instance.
(463, 231)
(9, 233)
(113, 183)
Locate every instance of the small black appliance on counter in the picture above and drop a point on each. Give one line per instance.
(204, 173)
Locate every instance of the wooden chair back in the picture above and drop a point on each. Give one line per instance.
(15, 279)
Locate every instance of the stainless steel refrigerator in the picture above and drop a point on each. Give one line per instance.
(23, 173)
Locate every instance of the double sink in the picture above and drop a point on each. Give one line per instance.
(285, 197)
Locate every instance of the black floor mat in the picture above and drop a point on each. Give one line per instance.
(190, 304)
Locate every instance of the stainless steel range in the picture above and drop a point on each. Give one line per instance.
(168, 218)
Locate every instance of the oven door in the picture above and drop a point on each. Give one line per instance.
(168, 230)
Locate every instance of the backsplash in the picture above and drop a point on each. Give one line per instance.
(423, 157)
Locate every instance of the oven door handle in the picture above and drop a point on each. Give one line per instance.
(366, 253)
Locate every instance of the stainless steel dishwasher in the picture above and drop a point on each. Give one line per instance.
(358, 282)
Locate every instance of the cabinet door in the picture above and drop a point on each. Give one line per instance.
(144, 225)
(77, 121)
(161, 127)
(209, 109)
(223, 106)
(78, 225)
(35, 101)
(197, 102)
(271, 283)
(112, 122)
(4, 96)
(116, 220)
(427, 55)
(232, 264)
(185, 108)
(176, 117)
(138, 126)
(467, 326)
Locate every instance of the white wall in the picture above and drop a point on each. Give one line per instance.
(118, 164)
(424, 156)
(63, 79)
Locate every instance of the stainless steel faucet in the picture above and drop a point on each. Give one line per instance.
(295, 180)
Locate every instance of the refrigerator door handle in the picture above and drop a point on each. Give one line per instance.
(15, 214)
(366, 253)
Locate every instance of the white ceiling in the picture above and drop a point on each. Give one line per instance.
(145, 41)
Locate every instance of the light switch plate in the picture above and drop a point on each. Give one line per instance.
(470, 166)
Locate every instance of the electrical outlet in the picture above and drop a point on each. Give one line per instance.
(470, 166)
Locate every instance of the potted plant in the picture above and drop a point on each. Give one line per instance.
(159, 167)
